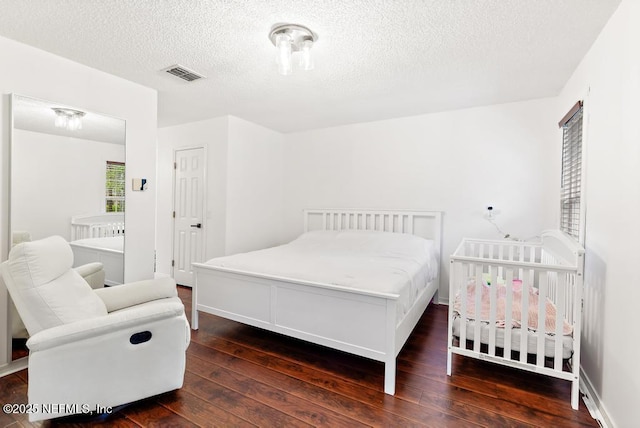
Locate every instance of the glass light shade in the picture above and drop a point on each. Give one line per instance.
(306, 60)
(61, 120)
(75, 123)
(283, 44)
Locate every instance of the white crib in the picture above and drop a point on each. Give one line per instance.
(491, 282)
(97, 225)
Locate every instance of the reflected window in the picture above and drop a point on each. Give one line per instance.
(115, 187)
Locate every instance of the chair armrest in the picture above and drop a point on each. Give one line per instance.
(95, 327)
(93, 273)
(89, 268)
(135, 293)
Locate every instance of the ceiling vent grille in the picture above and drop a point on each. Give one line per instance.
(183, 73)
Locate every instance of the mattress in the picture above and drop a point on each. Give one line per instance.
(394, 265)
(111, 244)
(516, 338)
(482, 315)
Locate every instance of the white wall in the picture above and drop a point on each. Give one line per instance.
(35, 73)
(456, 162)
(244, 185)
(608, 79)
(254, 187)
(55, 178)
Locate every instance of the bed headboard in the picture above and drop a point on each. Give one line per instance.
(427, 224)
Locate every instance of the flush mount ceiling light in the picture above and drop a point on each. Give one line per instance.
(68, 118)
(289, 39)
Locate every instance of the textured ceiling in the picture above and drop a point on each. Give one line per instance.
(375, 59)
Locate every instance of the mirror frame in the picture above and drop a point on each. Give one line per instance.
(21, 363)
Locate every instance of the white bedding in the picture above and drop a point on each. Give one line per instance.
(111, 243)
(391, 264)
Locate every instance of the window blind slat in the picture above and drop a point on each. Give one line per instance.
(571, 177)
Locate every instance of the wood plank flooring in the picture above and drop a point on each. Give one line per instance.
(241, 376)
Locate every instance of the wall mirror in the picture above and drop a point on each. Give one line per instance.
(67, 179)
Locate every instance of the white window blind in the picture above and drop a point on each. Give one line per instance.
(571, 182)
(115, 187)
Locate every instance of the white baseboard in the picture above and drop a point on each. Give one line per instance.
(593, 402)
(14, 366)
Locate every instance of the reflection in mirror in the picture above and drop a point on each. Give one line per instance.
(68, 179)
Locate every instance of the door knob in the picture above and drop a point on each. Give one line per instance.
(199, 225)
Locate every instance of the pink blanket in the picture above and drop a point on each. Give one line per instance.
(516, 308)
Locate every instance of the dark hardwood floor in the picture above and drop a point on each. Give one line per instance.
(242, 376)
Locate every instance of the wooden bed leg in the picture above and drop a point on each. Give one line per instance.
(390, 376)
(449, 356)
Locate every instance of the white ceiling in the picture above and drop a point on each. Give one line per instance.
(36, 115)
(375, 59)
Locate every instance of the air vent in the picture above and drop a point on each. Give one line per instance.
(183, 73)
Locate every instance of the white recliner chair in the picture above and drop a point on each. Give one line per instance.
(93, 273)
(93, 349)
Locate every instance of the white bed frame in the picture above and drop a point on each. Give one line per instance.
(112, 261)
(101, 225)
(355, 321)
(553, 268)
(97, 225)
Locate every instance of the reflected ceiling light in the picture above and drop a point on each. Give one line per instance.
(68, 118)
(289, 39)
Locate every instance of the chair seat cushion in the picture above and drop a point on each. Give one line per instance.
(44, 288)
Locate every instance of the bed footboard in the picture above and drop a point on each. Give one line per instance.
(357, 323)
(351, 322)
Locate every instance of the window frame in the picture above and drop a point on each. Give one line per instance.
(573, 126)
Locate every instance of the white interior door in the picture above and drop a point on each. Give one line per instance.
(188, 234)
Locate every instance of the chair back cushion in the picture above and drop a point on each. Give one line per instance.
(44, 288)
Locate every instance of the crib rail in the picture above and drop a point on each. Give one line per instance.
(97, 226)
(517, 304)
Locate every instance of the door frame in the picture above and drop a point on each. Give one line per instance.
(204, 202)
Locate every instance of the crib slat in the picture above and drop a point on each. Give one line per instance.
(524, 327)
(542, 317)
(493, 303)
(463, 290)
(560, 317)
(500, 257)
(477, 324)
(521, 259)
(508, 319)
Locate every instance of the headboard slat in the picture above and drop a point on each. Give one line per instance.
(427, 224)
